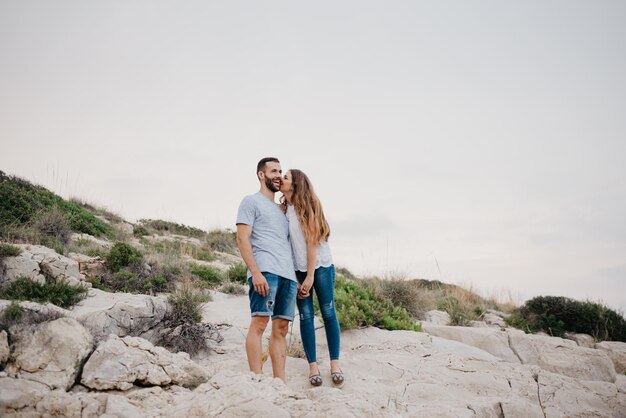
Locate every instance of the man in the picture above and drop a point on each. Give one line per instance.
(263, 240)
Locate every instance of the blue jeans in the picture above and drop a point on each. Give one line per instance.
(324, 288)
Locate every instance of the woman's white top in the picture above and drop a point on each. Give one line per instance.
(298, 244)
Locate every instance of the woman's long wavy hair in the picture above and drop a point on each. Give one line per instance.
(308, 208)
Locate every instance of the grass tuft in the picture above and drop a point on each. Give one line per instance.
(60, 294)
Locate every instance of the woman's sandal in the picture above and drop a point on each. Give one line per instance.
(315, 379)
(337, 378)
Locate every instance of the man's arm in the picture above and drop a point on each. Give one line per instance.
(245, 248)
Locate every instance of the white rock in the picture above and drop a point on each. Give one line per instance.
(616, 350)
(491, 340)
(494, 320)
(563, 396)
(561, 356)
(21, 265)
(4, 348)
(37, 262)
(120, 314)
(16, 394)
(34, 309)
(120, 407)
(582, 340)
(437, 317)
(119, 363)
(50, 352)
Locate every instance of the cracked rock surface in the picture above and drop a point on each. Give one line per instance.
(49, 353)
(119, 363)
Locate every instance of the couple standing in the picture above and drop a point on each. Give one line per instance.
(272, 238)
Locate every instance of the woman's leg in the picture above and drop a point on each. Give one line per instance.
(324, 285)
(307, 327)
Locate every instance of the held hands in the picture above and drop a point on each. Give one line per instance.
(304, 289)
(260, 284)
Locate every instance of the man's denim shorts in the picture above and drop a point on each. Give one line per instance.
(280, 302)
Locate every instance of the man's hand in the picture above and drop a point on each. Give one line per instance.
(260, 284)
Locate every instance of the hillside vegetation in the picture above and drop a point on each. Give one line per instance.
(155, 255)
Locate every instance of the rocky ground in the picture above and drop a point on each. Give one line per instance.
(96, 360)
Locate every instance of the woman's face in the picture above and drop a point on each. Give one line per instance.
(286, 186)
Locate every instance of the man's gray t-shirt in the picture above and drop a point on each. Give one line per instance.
(270, 235)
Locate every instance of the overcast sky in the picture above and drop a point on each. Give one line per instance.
(481, 143)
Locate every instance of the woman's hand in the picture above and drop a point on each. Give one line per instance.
(304, 290)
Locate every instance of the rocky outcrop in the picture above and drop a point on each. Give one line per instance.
(120, 314)
(17, 394)
(89, 267)
(119, 363)
(40, 263)
(49, 353)
(437, 317)
(582, 340)
(493, 341)
(616, 350)
(562, 356)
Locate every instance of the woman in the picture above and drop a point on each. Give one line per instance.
(308, 233)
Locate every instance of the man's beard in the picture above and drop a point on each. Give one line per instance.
(270, 185)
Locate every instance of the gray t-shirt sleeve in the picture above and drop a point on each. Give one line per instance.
(246, 212)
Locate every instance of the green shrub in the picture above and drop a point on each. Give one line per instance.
(13, 312)
(60, 294)
(20, 201)
(124, 281)
(232, 288)
(238, 273)
(8, 250)
(223, 241)
(405, 294)
(186, 303)
(122, 255)
(139, 230)
(359, 306)
(209, 275)
(156, 283)
(518, 321)
(458, 313)
(172, 228)
(204, 254)
(53, 223)
(557, 314)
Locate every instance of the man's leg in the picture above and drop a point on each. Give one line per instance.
(278, 347)
(254, 343)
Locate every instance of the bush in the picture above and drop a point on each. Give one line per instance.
(122, 255)
(60, 294)
(557, 314)
(8, 250)
(459, 315)
(186, 303)
(13, 312)
(53, 223)
(139, 230)
(21, 201)
(202, 253)
(359, 306)
(232, 288)
(223, 241)
(238, 273)
(406, 294)
(183, 330)
(207, 274)
(172, 228)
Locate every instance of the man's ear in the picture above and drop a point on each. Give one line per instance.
(260, 175)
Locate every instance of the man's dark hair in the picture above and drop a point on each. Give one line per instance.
(261, 165)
